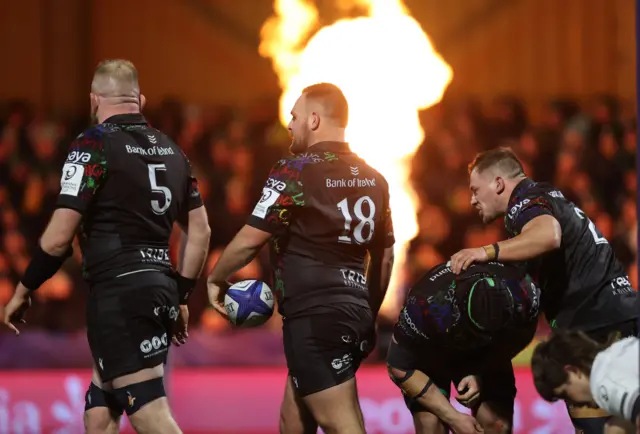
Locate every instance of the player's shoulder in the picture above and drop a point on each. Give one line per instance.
(292, 166)
(537, 190)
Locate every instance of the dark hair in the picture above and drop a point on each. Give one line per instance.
(573, 348)
(332, 99)
(502, 158)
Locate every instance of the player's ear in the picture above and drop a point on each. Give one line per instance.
(94, 99)
(143, 101)
(571, 369)
(314, 121)
(500, 185)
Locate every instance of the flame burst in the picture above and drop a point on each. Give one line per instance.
(388, 71)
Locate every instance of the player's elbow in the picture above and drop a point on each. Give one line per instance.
(199, 229)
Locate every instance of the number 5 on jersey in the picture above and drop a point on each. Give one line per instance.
(358, 234)
(155, 188)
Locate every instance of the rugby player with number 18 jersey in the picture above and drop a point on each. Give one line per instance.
(124, 185)
(583, 285)
(322, 210)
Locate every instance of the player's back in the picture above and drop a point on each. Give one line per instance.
(342, 211)
(583, 284)
(142, 184)
(437, 306)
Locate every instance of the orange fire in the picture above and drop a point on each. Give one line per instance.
(387, 69)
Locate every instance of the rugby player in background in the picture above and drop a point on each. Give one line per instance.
(322, 210)
(584, 287)
(123, 185)
(574, 367)
(463, 329)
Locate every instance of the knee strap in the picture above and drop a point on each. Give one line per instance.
(135, 396)
(407, 375)
(424, 389)
(96, 397)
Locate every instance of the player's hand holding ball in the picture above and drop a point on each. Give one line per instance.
(217, 292)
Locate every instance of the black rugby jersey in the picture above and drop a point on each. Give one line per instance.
(131, 183)
(583, 284)
(436, 307)
(325, 208)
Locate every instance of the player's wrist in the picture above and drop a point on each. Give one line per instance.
(42, 267)
(185, 288)
(492, 251)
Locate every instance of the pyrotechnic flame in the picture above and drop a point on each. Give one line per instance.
(388, 71)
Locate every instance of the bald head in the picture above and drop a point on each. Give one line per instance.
(117, 79)
(328, 101)
(115, 90)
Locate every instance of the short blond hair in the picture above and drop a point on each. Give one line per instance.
(116, 78)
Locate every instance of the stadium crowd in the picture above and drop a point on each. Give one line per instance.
(587, 152)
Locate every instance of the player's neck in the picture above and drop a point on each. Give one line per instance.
(120, 109)
(333, 135)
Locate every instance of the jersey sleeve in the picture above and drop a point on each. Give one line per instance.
(194, 200)
(526, 209)
(84, 171)
(282, 193)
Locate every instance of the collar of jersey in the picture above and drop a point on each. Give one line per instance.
(522, 185)
(126, 118)
(338, 147)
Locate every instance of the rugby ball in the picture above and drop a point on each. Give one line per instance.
(249, 303)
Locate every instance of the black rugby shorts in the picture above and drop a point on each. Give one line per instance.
(324, 348)
(129, 322)
(445, 366)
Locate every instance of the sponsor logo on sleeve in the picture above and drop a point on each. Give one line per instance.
(269, 197)
(71, 180)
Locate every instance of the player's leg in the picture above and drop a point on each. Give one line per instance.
(324, 353)
(295, 418)
(404, 358)
(143, 396)
(102, 412)
(337, 409)
(138, 312)
(498, 383)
